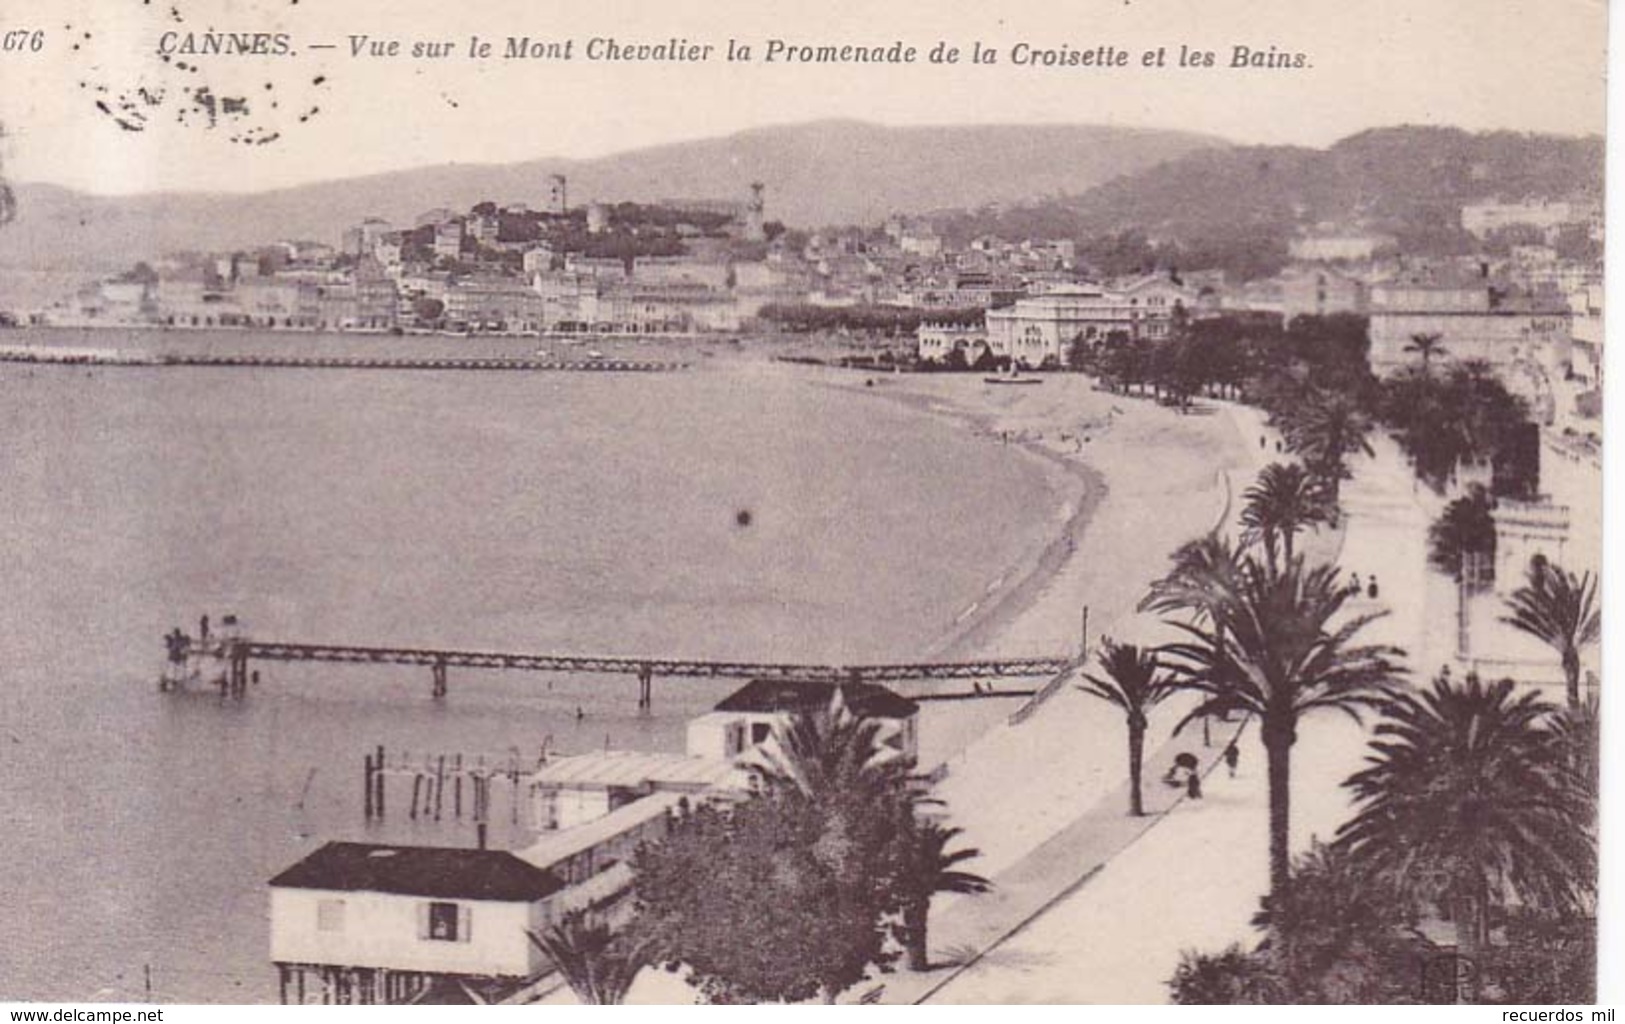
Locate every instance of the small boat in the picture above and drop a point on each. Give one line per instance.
(1013, 378)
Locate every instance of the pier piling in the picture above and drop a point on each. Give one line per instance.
(439, 784)
(645, 689)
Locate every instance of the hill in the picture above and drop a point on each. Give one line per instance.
(830, 172)
(1211, 204)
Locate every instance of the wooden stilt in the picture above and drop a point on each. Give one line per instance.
(438, 675)
(378, 798)
(457, 788)
(367, 784)
(417, 784)
(439, 784)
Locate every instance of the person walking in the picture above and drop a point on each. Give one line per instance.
(1193, 786)
(1232, 757)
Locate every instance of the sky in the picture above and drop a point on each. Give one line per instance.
(1477, 64)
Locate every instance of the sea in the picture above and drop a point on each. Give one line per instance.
(742, 509)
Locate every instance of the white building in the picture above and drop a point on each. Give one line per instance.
(1042, 327)
(571, 791)
(1482, 219)
(753, 716)
(936, 340)
(1527, 340)
(1351, 247)
(361, 923)
(448, 239)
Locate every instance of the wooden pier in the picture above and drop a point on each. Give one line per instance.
(240, 652)
(236, 653)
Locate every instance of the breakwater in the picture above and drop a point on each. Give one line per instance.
(113, 357)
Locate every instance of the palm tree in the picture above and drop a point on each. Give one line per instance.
(1427, 346)
(860, 788)
(925, 868)
(1204, 572)
(598, 965)
(1132, 683)
(832, 753)
(1273, 651)
(1578, 732)
(1325, 430)
(1562, 611)
(1284, 500)
(1464, 806)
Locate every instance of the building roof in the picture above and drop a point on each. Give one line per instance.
(566, 843)
(632, 768)
(450, 873)
(866, 700)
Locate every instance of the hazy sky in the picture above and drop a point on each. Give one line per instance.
(1535, 66)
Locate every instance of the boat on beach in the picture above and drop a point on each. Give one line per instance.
(1013, 378)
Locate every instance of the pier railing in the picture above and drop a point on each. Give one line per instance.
(235, 654)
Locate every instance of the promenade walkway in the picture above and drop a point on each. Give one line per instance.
(1189, 876)
(967, 928)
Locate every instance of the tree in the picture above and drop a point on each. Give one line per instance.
(925, 867)
(1427, 347)
(1464, 529)
(794, 892)
(1204, 573)
(1131, 683)
(1283, 501)
(1463, 805)
(833, 755)
(598, 965)
(756, 907)
(1234, 977)
(1325, 432)
(1354, 937)
(1562, 611)
(1273, 650)
(1354, 941)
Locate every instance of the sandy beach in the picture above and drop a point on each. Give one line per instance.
(1140, 479)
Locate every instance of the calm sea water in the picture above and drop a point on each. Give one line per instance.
(533, 512)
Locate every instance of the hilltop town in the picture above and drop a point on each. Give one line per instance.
(1515, 280)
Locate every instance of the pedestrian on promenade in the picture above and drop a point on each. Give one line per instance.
(1193, 786)
(1371, 591)
(1354, 587)
(1232, 756)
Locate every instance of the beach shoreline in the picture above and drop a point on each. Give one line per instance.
(1133, 479)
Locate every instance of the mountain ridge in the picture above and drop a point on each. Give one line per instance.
(822, 172)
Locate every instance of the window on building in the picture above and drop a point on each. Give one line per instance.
(444, 922)
(330, 915)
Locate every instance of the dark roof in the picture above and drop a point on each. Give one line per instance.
(420, 871)
(865, 700)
